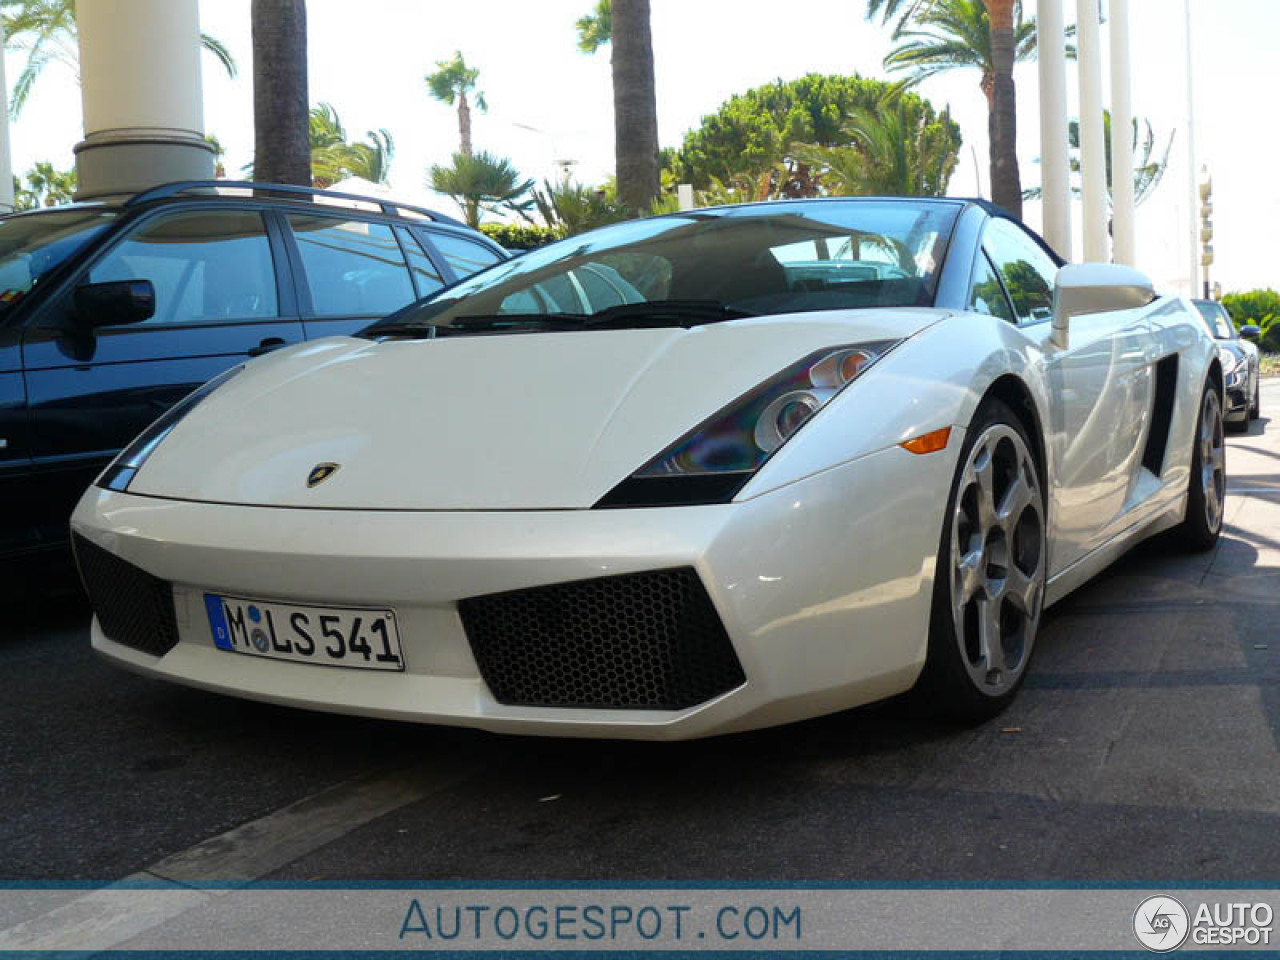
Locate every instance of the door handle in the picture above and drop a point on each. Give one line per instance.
(266, 346)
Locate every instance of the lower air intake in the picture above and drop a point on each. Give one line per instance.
(133, 607)
(643, 641)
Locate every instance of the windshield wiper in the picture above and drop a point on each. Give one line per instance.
(513, 321)
(660, 313)
(399, 330)
(666, 313)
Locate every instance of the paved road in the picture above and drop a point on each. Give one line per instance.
(1146, 746)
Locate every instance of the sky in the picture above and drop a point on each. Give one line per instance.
(549, 103)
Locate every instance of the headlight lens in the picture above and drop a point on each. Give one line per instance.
(712, 462)
(125, 467)
(1229, 359)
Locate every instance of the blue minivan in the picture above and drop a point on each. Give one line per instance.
(112, 312)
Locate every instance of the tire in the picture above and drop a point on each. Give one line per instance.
(1207, 486)
(996, 511)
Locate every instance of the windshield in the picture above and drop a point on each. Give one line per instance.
(709, 265)
(34, 244)
(1218, 319)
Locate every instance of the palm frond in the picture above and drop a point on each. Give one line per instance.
(221, 53)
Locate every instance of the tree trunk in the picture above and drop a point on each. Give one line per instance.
(1006, 181)
(634, 106)
(464, 123)
(282, 146)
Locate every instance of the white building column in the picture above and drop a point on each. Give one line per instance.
(142, 93)
(1192, 185)
(1093, 151)
(1055, 164)
(1123, 203)
(6, 144)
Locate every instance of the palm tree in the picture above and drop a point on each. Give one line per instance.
(454, 82)
(46, 31)
(281, 118)
(899, 148)
(956, 35)
(1003, 18)
(44, 186)
(624, 25)
(596, 28)
(480, 183)
(1149, 166)
(333, 158)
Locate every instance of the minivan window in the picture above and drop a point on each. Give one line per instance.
(354, 268)
(463, 256)
(425, 274)
(33, 244)
(205, 266)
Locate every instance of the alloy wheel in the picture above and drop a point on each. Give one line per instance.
(1213, 460)
(997, 560)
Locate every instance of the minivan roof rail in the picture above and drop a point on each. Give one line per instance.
(390, 207)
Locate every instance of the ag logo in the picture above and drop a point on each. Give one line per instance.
(322, 472)
(1161, 924)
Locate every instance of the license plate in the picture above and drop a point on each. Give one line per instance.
(336, 637)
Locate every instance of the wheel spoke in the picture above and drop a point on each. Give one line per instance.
(1022, 591)
(1219, 460)
(984, 475)
(1016, 499)
(972, 576)
(989, 645)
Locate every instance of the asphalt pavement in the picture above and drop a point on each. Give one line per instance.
(1145, 746)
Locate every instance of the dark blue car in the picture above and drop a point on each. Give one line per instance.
(111, 313)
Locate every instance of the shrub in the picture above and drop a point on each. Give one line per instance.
(1252, 306)
(519, 236)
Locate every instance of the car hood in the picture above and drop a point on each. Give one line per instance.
(510, 422)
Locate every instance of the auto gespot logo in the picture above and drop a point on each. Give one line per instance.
(1162, 924)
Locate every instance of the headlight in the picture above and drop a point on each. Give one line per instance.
(1229, 359)
(125, 467)
(713, 461)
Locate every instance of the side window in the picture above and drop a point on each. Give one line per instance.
(207, 267)
(354, 267)
(1028, 272)
(604, 287)
(425, 274)
(464, 256)
(987, 296)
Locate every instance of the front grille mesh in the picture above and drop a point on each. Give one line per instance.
(133, 607)
(639, 641)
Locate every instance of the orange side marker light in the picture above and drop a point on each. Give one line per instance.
(930, 442)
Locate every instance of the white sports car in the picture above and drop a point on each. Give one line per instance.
(676, 477)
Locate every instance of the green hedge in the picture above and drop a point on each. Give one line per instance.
(1262, 309)
(517, 236)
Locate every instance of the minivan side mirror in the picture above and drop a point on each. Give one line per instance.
(1084, 288)
(115, 303)
(1251, 332)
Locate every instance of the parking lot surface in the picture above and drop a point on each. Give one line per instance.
(1145, 746)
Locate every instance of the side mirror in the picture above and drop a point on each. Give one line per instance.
(1251, 332)
(1086, 288)
(114, 304)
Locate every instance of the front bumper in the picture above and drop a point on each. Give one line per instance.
(1237, 403)
(823, 588)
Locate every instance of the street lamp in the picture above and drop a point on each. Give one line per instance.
(1206, 225)
(566, 164)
